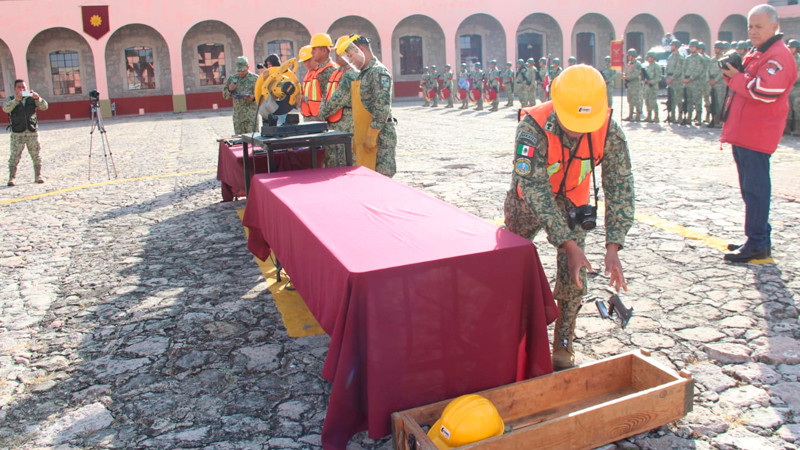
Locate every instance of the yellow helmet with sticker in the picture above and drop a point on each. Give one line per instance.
(579, 98)
(466, 419)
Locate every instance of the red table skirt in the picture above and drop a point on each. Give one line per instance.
(231, 172)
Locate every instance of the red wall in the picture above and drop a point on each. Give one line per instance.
(406, 89)
(206, 100)
(131, 105)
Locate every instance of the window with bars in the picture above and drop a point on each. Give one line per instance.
(212, 64)
(283, 48)
(65, 71)
(140, 70)
(410, 55)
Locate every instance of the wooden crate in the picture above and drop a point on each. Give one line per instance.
(584, 407)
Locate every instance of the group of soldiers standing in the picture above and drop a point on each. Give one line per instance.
(528, 82)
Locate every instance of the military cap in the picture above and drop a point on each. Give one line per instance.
(572, 59)
(675, 42)
(607, 58)
(242, 63)
(742, 45)
(478, 64)
(556, 61)
(694, 43)
(633, 52)
(509, 63)
(719, 44)
(494, 61)
(530, 61)
(794, 43)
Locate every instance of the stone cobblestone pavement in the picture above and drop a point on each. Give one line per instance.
(133, 316)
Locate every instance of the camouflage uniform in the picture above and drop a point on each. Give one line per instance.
(464, 75)
(694, 78)
(376, 95)
(531, 86)
(704, 78)
(448, 78)
(519, 83)
(433, 81)
(717, 91)
(609, 75)
(492, 82)
(541, 94)
(245, 109)
(27, 138)
(340, 99)
(540, 208)
(653, 72)
(424, 85)
(633, 81)
(675, 63)
(477, 76)
(508, 81)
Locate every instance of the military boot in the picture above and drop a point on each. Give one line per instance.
(563, 354)
(12, 176)
(37, 174)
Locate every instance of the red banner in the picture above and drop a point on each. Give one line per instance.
(617, 55)
(95, 20)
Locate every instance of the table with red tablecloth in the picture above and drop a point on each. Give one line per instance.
(230, 171)
(422, 301)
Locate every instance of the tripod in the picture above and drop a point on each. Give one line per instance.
(97, 123)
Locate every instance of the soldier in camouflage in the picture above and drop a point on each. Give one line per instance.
(531, 84)
(434, 85)
(632, 77)
(508, 82)
(541, 93)
(493, 82)
(706, 87)
(476, 80)
(538, 199)
(241, 87)
(717, 84)
(21, 108)
(675, 63)
(464, 75)
(555, 68)
(609, 75)
(693, 78)
(337, 99)
(376, 96)
(448, 79)
(519, 83)
(653, 71)
(793, 117)
(424, 85)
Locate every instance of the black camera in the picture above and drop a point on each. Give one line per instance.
(259, 66)
(585, 216)
(733, 58)
(94, 95)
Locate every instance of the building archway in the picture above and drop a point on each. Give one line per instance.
(733, 28)
(692, 26)
(417, 41)
(282, 36)
(643, 33)
(592, 36)
(539, 35)
(360, 26)
(208, 53)
(138, 70)
(480, 37)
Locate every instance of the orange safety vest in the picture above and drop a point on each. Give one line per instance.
(312, 93)
(333, 84)
(579, 169)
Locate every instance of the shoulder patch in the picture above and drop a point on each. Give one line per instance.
(773, 67)
(527, 137)
(522, 166)
(386, 81)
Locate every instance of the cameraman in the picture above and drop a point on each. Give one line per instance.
(21, 108)
(558, 144)
(756, 116)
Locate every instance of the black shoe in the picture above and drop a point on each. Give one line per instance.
(745, 254)
(732, 247)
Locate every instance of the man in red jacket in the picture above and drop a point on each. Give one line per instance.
(756, 116)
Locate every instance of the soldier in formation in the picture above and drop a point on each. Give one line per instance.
(520, 82)
(694, 76)
(632, 78)
(492, 80)
(476, 81)
(652, 78)
(609, 75)
(464, 83)
(448, 80)
(717, 84)
(508, 82)
(674, 72)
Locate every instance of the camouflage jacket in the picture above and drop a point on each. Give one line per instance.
(324, 76)
(617, 180)
(609, 75)
(491, 78)
(694, 68)
(508, 76)
(521, 76)
(653, 71)
(376, 92)
(341, 97)
(477, 79)
(633, 71)
(675, 63)
(449, 80)
(244, 86)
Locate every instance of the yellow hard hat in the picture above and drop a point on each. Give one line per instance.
(466, 419)
(340, 41)
(342, 44)
(579, 98)
(304, 54)
(321, 40)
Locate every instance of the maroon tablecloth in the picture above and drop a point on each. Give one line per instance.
(231, 172)
(422, 301)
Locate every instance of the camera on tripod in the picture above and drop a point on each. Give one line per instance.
(94, 96)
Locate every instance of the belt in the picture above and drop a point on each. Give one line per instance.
(669, 74)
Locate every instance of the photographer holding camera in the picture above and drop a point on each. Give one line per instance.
(21, 108)
(558, 144)
(755, 116)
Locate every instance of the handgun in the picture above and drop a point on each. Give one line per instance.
(615, 306)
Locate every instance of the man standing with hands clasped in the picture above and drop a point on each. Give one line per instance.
(21, 108)
(755, 118)
(241, 86)
(557, 148)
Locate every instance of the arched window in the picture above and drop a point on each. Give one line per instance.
(65, 71)
(212, 64)
(283, 48)
(410, 55)
(140, 70)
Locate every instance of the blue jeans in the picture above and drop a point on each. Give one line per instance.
(756, 187)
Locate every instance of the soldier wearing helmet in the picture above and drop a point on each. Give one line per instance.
(717, 85)
(476, 78)
(463, 85)
(553, 187)
(694, 75)
(632, 77)
(434, 78)
(520, 82)
(653, 72)
(571, 61)
(241, 87)
(424, 85)
(493, 84)
(448, 86)
(609, 75)
(508, 82)
(315, 83)
(675, 63)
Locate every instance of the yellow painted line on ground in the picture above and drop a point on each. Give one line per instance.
(102, 183)
(297, 319)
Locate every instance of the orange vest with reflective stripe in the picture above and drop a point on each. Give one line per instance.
(333, 84)
(579, 170)
(312, 93)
